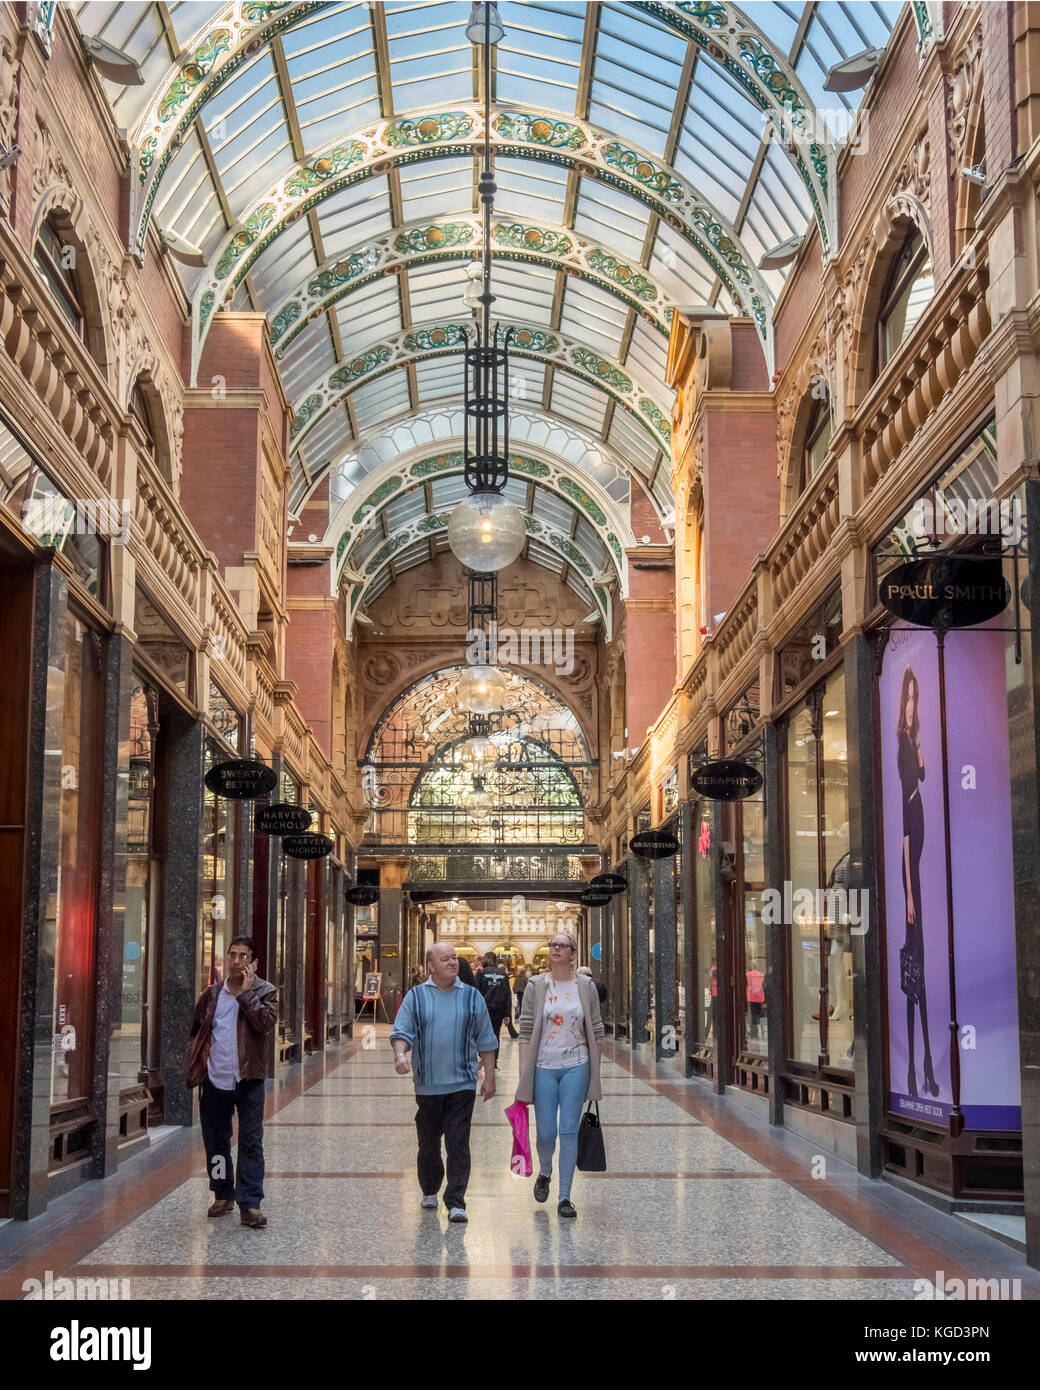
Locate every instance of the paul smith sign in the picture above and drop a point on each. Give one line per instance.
(946, 591)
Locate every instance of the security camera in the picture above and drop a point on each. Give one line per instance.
(11, 156)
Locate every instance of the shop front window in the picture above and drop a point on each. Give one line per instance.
(705, 971)
(136, 1038)
(818, 863)
(753, 882)
(69, 935)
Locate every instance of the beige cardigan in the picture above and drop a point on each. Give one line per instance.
(531, 1017)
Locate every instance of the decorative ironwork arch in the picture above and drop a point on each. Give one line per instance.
(448, 339)
(457, 238)
(516, 132)
(434, 524)
(238, 31)
(356, 513)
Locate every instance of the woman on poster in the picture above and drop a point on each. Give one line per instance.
(911, 956)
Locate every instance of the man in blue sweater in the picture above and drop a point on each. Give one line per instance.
(444, 1024)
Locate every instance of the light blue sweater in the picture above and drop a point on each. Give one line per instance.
(444, 1029)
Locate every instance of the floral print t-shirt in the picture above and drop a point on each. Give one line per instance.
(562, 1043)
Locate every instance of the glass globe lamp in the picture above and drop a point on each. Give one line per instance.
(476, 751)
(486, 532)
(482, 689)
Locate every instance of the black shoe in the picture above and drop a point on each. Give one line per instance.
(541, 1188)
(566, 1208)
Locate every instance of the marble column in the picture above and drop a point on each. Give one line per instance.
(867, 975)
(119, 685)
(265, 916)
(639, 895)
(392, 923)
(1024, 736)
(665, 1042)
(180, 927)
(775, 985)
(687, 909)
(721, 1017)
(42, 817)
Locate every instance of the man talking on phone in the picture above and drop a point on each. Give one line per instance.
(227, 1060)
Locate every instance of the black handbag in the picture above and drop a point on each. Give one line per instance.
(592, 1156)
(910, 973)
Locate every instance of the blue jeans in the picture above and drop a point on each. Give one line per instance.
(560, 1090)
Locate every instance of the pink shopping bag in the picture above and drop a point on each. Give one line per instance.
(520, 1161)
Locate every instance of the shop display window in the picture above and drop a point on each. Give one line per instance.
(69, 936)
(820, 940)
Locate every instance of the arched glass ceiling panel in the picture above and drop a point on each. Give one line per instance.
(430, 189)
(539, 59)
(635, 78)
(431, 60)
(139, 31)
(311, 355)
(576, 400)
(439, 380)
(352, 215)
(332, 64)
(327, 438)
(527, 188)
(248, 133)
(371, 313)
(647, 355)
(610, 216)
(381, 400)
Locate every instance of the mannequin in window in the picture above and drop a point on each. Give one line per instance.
(911, 956)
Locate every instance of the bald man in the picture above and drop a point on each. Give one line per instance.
(444, 1024)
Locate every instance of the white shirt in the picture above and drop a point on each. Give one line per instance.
(223, 1054)
(562, 1043)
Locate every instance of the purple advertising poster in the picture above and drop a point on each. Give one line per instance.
(916, 924)
(915, 879)
(983, 881)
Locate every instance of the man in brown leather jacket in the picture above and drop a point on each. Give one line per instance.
(227, 1060)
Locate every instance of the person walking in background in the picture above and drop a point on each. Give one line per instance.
(560, 1031)
(466, 974)
(494, 986)
(444, 1024)
(227, 1060)
(597, 985)
(519, 985)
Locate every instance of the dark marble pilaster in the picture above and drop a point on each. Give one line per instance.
(775, 987)
(115, 783)
(180, 928)
(687, 965)
(867, 977)
(391, 927)
(1024, 736)
(664, 959)
(639, 895)
(296, 950)
(42, 817)
(722, 1027)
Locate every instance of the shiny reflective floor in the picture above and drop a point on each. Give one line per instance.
(702, 1201)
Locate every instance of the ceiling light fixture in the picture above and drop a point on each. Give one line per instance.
(855, 72)
(486, 531)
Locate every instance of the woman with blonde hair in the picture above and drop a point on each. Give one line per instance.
(560, 1031)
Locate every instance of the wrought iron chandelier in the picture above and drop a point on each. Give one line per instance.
(486, 531)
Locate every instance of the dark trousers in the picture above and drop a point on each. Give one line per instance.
(497, 1017)
(446, 1117)
(215, 1111)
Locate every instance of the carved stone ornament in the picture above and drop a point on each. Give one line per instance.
(961, 93)
(381, 669)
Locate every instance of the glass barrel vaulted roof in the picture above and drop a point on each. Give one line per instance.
(609, 265)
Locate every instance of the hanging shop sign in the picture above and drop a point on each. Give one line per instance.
(283, 818)
(610, 883)
(654, 844)
(945, 591)
(593, 897)
(307, 846)
(362, 894)
(241, 779)
(726, 781)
